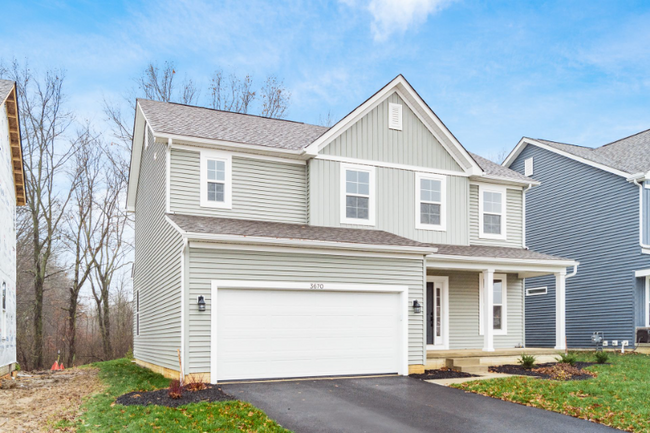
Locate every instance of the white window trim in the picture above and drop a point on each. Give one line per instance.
(504, 219)
(529, 167)
(647, 301)
(371, 197)
(445, 312)
(443, 202)
(645, 249)
(397, 125)
(504, 304)
(210, 155)
(536, 288)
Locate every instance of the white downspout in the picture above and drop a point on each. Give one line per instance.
(183, 313)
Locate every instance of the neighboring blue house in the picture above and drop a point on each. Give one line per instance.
(593, 205)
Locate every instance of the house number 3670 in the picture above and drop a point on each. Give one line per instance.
(317, 286)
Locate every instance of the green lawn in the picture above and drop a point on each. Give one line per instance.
(619, 396)
(101, 414)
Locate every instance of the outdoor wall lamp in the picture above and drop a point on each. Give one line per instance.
(201, 302)
(417, 308)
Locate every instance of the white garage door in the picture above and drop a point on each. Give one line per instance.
(263, 334)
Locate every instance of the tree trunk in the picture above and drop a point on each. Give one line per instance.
(72, 329)
(39, 281)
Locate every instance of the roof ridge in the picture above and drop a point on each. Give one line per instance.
(566, 144)
(624, 138)
(231, 112)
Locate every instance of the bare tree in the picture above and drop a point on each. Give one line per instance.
(231, 93)
(157, 83)
(43, 122)
(326, 120)
(189, 92)
(275, 98)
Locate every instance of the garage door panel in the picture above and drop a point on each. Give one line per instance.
(288, 333)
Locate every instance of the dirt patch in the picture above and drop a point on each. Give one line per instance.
(443, 373)
(33, 402)
(161, 397)
(551, 370)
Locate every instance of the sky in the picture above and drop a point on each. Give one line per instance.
(576, 72)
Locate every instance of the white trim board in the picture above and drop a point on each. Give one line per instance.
(445, 308)
(419, 177)
(198, 149)
(526, 141)
(383, 164)
(504, 305)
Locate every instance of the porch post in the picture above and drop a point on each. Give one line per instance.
(560, 310)
(488, 310)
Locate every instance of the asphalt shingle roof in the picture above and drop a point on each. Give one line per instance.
(5, 88)
(492, 252)
(178, 119)
(231, 226)
(497, 170)
(630, 154)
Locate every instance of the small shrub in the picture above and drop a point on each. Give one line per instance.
(195, 383)
(568, 358)
(17, 367)
(175, 389)
(602, 357)
(527, 361)
(129, 354)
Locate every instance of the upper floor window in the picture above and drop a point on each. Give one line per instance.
(492, 212)
(216, 179)
(430, 202)
(357, 194)
(645, 214)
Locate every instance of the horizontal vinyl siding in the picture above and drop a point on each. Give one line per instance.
(395, 203)
(371, 139)
(212, 264)
(261, 190)
(514, 217)
(591, 216)
(157, 266)
(464, 304)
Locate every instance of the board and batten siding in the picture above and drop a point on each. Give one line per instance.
(514, 219)
(395, 203)
(591, 216)
(261, 189)
(157, 271)
(208, 264)
(464, 304)
(371, 139)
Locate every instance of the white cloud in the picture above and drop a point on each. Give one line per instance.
(391, 16)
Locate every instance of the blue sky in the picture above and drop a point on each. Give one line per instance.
(574, 71)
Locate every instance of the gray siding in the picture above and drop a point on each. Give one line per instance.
(157, 266)
(464, 302)
(371, 139)
(261, 190)
(591, 216)
(395, 203)
(211, 264)
(514, 217)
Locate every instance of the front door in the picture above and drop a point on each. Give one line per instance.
(436, 313)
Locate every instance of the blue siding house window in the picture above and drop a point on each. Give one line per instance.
(645, 217)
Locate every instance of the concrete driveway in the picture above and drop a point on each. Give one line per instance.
(396, 404)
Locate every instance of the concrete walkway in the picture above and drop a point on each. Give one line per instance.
(396, 404)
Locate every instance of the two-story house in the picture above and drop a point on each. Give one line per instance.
(12, 194)
(266, 248)
(593, 205)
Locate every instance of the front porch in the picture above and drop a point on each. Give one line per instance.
(467, 360)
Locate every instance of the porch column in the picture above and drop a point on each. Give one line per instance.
(488, 310)
(560, 310)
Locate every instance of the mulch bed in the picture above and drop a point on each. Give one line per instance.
(518, 369)
(161, 398)
(441, 374)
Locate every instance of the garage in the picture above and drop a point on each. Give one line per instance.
(267, 330)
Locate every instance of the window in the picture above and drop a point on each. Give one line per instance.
(216, 180)
(528, 167)
(357, 194)
(499, 309)
(430, 202)
(536, 291)
(137, 312)
(492, 212)
(395, 116)
(645, 214)
(647, 301)
(4, 310)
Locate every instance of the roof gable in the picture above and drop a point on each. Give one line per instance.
(417, 105)
(9, 99)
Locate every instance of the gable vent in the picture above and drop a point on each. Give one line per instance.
(395, 116)
(528, 167)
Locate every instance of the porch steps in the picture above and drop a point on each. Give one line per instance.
(467, 365)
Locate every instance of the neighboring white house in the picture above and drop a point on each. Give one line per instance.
(12, 194)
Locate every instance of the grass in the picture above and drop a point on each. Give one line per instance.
(617, 397)
(102, 414)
